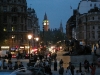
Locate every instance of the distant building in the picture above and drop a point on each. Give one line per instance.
(61, 27)
(45, 23)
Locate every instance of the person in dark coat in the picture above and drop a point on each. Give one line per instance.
(9, 56)
(71, 67)
(15, 66)
(61, 70)
(21, 65)
(55, 65)
(61, 62)
(10, 65)
(86, 65)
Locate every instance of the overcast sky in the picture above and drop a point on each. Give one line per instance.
(56, 10)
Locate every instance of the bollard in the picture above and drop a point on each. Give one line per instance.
(80, 70)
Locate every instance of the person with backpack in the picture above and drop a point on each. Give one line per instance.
(61, 70)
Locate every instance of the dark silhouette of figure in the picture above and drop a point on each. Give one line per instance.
(9, 56)
(95, 49)
(21, 65)
(86, 65)
(93, 69)
(55, 65)
(15, 66)
(10, 65)
(71, 67)
(5, 64)
(61, 62)
(61, 70)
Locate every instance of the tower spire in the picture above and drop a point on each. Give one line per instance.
(45, 16)
(61, 27)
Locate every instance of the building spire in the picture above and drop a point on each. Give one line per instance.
(61, 27)
(45, 16)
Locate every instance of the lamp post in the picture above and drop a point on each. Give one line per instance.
(12, 41)
(29, 37)
(37, 39)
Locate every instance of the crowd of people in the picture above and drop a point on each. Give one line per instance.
(46, 63)
(6, 64)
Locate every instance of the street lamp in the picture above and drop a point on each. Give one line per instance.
(12, 41)
(37, 39)
(29, 37)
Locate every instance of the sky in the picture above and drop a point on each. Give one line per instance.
(57, 11)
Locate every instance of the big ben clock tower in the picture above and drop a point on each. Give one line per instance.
(45, 23)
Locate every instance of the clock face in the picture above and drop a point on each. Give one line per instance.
(44, 23)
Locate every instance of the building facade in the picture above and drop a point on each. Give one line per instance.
(18, 21)
(86, 22)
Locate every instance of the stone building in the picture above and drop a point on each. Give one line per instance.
(86, 22)
(88, 28)
(18, 21)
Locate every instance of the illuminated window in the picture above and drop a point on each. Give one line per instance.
(12, 28)
(4, 29)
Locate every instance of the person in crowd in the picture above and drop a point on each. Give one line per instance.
(48, 70)
(68, 71)
(86, 65)
(61, 70)
(93, 69)
(15, 66)
(9, 56)
(61, 62)
(95, 48)
(55, 65)
(0, 64)
(71, 67)
(5, 64)
(21, 65)
(10, 65)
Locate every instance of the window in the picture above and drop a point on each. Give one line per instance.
(5, 8)
(90, 5)
(19, 1)
(21, 19)
(14, 1)
(92, 18)
(93, 35)
(21, 9)
(93, 27)
(5, 19)
(98, 34)
(4, 29)
(98, 27)
(14, 9)
(14, 19)
(98, 17)
(94, 5)
(12, 28)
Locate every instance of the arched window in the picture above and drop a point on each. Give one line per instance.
(14, 9)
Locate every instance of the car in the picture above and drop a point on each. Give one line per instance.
(13, 56)
(26, 56)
